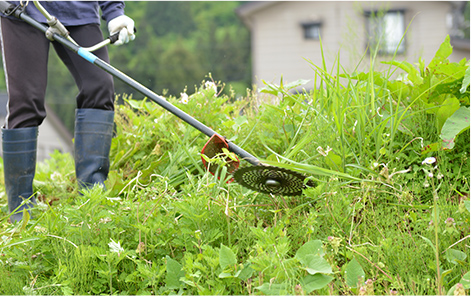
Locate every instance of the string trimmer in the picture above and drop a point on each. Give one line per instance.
(259, 177)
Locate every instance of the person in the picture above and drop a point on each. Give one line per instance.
(25, 56)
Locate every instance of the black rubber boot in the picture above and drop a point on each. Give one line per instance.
(93, 133)
(19, 166)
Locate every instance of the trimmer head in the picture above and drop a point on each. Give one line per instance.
(272, 180)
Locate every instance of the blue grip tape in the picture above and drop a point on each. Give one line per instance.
(87, 55)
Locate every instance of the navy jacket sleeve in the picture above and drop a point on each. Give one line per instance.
(75, 13)
(111, 9)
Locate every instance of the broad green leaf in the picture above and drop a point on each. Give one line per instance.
(431, 148)
(224, 275)
(228, 123)
(245, 273)
(226, 257)
(399, 88)
(273, 289)
(317, 264)
(454, 125)
(455, 256)
(334, 161)
(382, 151)
(229, 154)
(466, 204)
(465, 83)
(135, 104)
(454, 74)
(66, 290)
(315, 282)
(296, 83)
(313, 247)
(444, 273)
(412, 73)
(442, 54)
(353, 273)
(446, 110)
(451, 291)
(174, 273)
(206, 158)
(465, 280)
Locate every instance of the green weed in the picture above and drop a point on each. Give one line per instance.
(383, 218)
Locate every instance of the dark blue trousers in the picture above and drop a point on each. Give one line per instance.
(25, 53)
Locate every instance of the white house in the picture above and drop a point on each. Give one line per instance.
(285, 35)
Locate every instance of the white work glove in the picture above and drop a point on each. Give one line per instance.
(125, 26)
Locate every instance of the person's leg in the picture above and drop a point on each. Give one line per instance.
(25, 56)
(96, 86)
(25, 53)
(93, 133)
(94, 117)
(19, 165)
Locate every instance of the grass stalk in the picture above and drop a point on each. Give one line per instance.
(437, 252)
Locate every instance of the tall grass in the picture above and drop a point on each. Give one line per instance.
(378, 221)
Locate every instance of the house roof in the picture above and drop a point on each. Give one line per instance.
(252, 6)
(245, 10)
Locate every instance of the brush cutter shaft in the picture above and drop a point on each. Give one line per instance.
(171, 108)
(5, 7)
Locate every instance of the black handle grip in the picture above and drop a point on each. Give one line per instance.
(113, 38)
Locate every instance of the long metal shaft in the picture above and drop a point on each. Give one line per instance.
(134, 84)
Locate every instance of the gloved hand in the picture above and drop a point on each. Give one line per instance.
(125, 26)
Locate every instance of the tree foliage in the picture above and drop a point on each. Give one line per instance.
(177, 45)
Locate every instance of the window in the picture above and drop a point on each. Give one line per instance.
(312, 31)
(458, 20)
(385, 31)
